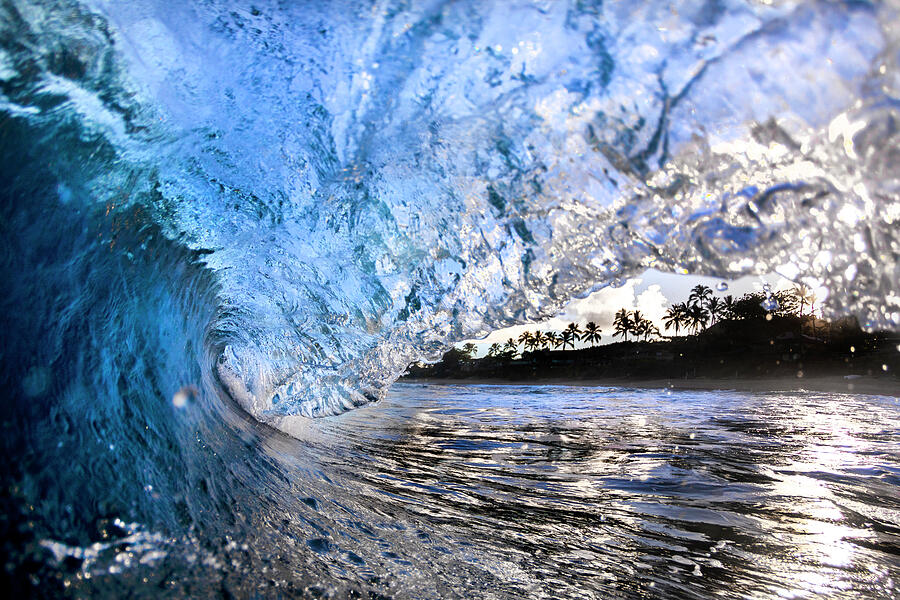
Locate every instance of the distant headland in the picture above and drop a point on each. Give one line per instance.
(716, 342)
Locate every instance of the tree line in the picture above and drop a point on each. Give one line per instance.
(701, 310)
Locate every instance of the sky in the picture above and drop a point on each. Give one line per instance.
(651, 293)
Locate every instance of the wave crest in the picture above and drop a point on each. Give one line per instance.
(369, 184)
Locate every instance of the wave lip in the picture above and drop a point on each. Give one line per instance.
(369, 186)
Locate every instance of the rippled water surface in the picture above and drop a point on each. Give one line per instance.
(542, 491)
(224, 218)
(584, 492)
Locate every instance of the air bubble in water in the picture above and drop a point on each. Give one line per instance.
(722, 286)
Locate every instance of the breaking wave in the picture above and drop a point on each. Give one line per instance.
(365, 184)
(219, 216)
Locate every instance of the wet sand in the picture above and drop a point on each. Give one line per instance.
(882, 386)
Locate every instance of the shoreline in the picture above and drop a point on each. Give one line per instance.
(867, 385)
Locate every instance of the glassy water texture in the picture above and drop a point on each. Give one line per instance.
(549, 492)
(368, 182)
(224, 216)
(592, 492)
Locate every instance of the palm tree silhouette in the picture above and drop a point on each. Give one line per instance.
(525, 340)
(728, 307)
(676, 316)
(637, 323)
(591, 333)
(575, 329)
(494, 350)
(511, 347)
(469, 350)
(700, 295)
(540, 340)
(622, 324)
(642, 327)
(567, 338)
(715, 306)
(533, 341)
(552, 338)
(697, 316)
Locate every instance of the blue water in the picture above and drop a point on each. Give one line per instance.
(456, 491)
(226, 219)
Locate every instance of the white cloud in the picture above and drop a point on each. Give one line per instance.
(600, 307)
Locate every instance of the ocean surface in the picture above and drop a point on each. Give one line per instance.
(227, 227)
(483, 491)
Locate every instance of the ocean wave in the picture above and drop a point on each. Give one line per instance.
(366, 185)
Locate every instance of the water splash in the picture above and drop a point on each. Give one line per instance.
(368, 184)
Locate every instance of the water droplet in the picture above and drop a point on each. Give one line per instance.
(884, 367)
(184, 395)
(722, 286)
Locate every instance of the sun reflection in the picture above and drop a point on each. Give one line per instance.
(809, 516)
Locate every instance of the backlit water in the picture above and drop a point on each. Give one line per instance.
(462, 491)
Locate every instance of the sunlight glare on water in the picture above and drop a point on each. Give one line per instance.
(566, 490)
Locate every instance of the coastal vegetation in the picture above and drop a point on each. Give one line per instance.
(766, 333)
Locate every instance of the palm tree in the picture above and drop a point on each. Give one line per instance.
(552, 339)
(531, 343)
(525, 340)
(728, 307)
(676, 316)
(540, 340)
(494, 350)
(622, 324)
(511, 347)
(575, 331)
(715, 306)
(591, 333)
(697, 316)
(642, 327)
(700, 295)
(636, 317)
(469, 350)
(567, 338)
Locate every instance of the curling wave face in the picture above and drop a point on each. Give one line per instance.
(217, 206)
(366, 184)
